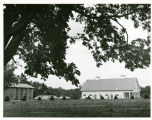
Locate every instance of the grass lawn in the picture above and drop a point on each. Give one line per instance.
(78, 108)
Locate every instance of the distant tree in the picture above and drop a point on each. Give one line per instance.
(39, 35)
(22, 78)
(74, 93)
(146, 96)
(145, 92)
(9, 76)
(64, 98)
(7, 98)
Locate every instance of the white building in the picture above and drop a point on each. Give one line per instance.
(45, 97)
(123, 88)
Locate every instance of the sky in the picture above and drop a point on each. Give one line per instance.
(83, 59)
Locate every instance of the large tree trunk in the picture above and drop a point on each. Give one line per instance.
(11, 49)
(11, 44)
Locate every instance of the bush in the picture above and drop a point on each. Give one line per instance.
(132, 97)
(146, 96)
(88, 98)
(115, 97)
(39, 99)
(101, 97)
(64, 98)
(52, 98)
(24, 98)
(7, 98)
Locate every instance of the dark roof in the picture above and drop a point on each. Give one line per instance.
(21, 85)
(110, 84)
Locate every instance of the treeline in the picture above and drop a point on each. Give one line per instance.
(42, 89)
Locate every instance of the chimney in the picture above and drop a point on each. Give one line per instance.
(122, 76)
(97, 77)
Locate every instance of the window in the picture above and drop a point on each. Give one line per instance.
(16, 98)
(95, 96)
(126, 95)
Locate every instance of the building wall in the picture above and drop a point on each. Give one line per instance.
(19, 93)
(10, 92)
(110, 94)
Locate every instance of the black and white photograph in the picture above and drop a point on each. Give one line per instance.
(76, 60)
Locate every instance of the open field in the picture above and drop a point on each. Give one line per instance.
(78, 108)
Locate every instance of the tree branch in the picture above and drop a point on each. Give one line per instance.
(19, 26)
(11, 49)
(122, 27)
(93, 16)
(16, 62)
(119, 16)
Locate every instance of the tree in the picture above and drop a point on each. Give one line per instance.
(64, 98)
(74, 93)
(39, 35)
(9, 76)
(145, 92)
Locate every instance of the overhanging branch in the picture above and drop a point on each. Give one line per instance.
(122, 27)
(93, 16)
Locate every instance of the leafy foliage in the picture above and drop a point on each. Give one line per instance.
(145, 92)
(42, 89)
(115, 97)
(88, 98)
(9, 76)
(64, 98)
(101, 97)
(146, 97)
(39, 99)
(39, 35)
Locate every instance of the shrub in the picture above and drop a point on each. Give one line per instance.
(24, 98)
(52, 98)
(146, 96)
(64, 98)
(101, 97)
(39, 99)
(115, 97)
(88, 98)
(132, 97)
(7, 98)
